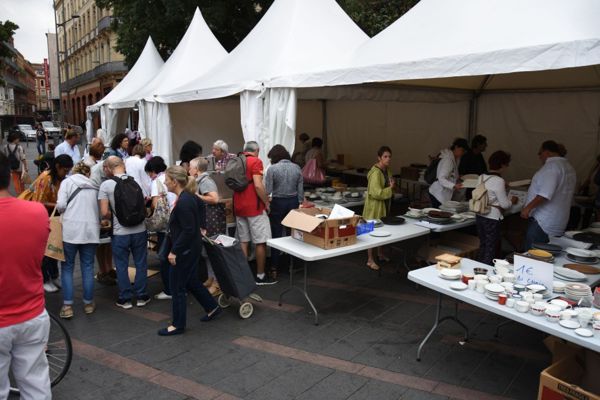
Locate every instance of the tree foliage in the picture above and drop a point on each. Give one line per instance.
(230, 20)
(7, 30)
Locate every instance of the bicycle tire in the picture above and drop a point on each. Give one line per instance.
(59, 352)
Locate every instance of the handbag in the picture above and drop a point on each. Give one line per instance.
(54, 246)
(159, 220)
(312, 174)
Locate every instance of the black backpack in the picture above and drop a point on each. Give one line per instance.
(235, 174)
(431, 171)
(15, 163)
(130, 207)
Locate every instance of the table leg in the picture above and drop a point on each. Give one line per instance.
(303, 290)
(438, 322)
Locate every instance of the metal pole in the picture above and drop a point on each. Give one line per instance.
(60, 107)
(66, 63)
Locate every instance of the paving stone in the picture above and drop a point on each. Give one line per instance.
(525, 386)
(494, 374)
(412, 394)
(456, 365)
(328, 334)
(378, 390)
(339, 385)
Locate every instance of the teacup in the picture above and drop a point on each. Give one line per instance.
(478, 277)
(519, 287)
(538, 308)
(522, 306)
(472, 284)
(552, 315)
(481, 286)
(538, 296)
(508, 286)
(510, 303)
(584, 318)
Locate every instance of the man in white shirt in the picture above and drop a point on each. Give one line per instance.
(69, 147)
(549, 197)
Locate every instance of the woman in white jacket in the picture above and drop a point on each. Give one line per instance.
(488, 225)
(447, 178)
(78, 203)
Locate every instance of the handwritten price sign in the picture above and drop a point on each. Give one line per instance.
(529, 271)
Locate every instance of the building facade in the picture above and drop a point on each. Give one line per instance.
(42, 105)
(52, 83)
(89, 65)
(17, 96)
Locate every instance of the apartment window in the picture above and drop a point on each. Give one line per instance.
(42, 83)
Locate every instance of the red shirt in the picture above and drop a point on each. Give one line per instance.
(24, 230)
(247, 203)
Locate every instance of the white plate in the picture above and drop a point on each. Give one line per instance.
(494, 288)
(458, 286)
(584, 332)
(536, 288)
(449, 278)
(450, 272)
(380, 233)
(569, 324)
(569, 273)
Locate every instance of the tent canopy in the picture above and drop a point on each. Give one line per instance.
(125, 94)
(459, 43)
(197, 52)
(294, 36)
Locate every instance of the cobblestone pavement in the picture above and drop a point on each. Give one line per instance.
(364, 347)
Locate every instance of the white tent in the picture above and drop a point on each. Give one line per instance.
(197, 52)
(294, 36)
(519, 72)
(124, 95)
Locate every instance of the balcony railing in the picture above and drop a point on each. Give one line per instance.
(104, 23)
(106, 68)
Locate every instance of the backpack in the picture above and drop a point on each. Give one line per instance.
(480, 199)
(15, 163)
(430, 175)
(130, 207)
(235, 174)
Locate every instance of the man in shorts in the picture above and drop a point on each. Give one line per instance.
(251, 206)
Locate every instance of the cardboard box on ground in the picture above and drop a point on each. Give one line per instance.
(323, 233)
(573, 374)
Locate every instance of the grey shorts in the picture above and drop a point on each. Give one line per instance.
(253, 229)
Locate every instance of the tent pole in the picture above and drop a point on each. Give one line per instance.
(324, 126)
(473, 105)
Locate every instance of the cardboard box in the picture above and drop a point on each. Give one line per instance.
(456, 243)
(323, 233)
(561, 381)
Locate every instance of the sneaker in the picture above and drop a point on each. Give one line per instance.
(89, 308)
(66, 312)
(126, 304)
(162, 296)
(142, 301)
(264, 281)
(49, 287)
(57, 282)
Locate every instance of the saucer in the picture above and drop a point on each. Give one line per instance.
(458, 286)
(569, 324)
(584, 332)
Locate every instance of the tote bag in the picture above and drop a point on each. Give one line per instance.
(312, 174)
(54, 246)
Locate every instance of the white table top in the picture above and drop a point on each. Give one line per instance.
(308, 252)
(443, 227)
(429, 278)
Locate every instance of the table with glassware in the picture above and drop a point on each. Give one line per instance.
(308, 253)
(540, 309)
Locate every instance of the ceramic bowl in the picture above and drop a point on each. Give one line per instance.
(522, 306)
(538, 309)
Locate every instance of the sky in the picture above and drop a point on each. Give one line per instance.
(35, 18)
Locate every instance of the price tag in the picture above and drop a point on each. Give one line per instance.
(529, 271)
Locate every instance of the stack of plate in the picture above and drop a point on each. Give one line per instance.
(558, 287)
(455, 206)
(569, 275)
(439, 217)
(553, 249)
(492, 290)
(450, 274)
(581, 256)
(577, 291)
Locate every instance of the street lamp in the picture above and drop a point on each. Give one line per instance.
(64, 111)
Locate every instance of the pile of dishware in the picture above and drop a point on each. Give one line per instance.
(455, 207)
(450, 274)
(439, 217)
(569, 275)
(558, 287)
(581, 255)
(577, 291)
(493, 290)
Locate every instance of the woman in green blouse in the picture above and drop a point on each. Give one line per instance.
(379, 195)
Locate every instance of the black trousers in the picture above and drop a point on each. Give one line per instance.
(488, 231)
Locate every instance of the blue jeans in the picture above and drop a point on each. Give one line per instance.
(280, 207)
(86, 261)
(41, 147)
(183, 278)
(122, 246)
(535, 234)
(164, 266)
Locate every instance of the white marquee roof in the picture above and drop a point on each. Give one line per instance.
(124, 95)
(294, 36)
(197, 52)
(459, 39)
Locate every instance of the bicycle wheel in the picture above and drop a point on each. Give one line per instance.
(59, 352)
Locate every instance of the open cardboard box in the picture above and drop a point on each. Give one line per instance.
(323, 233)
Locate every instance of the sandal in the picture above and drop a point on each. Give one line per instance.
(214, 290)
(373, 266)
(66, 312)
(209, 282)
